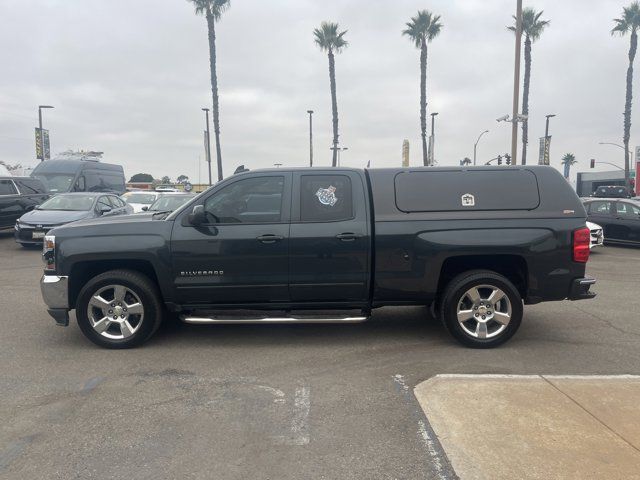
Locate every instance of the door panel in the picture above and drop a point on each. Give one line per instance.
(11, 207)
(330, 238)
(241, 256)
(602, 212)
(627, 221)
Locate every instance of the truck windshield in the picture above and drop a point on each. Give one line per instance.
(68, 202)
(56, 182)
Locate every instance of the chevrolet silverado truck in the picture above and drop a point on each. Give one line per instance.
(328, 245)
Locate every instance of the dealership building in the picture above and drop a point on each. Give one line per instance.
(587, 182)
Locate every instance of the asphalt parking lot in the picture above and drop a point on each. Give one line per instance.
(269, 402)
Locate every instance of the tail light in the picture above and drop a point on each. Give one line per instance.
(581, 244)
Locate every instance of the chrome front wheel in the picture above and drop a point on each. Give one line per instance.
(119, 309)
(115, 312)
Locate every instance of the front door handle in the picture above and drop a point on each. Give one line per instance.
(269, 238)
(348, 236)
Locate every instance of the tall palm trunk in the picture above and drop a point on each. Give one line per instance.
(423, 101)
(211, 24)
(627, 105)
(334, 106)
(525, 97)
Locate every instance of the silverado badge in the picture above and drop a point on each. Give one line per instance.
(468, 200)
(327, 196)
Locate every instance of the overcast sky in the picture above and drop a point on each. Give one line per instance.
(129, 77)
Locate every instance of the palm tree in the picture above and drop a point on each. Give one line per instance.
(568, 160)
(330, 40)
(465, 161)
(213, 10)
(629, 23)
(532, 28)
(422, 29)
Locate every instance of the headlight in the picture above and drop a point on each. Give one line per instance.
(49, 252)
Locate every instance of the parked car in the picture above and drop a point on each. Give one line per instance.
(139, 200)
(612, 191)
(168, 202)
(597, 234)
(620, 219)
(19, 195)
(65, 208)
(80, 176)
(315, 245)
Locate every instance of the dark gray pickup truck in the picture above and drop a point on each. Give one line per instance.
(329, 245)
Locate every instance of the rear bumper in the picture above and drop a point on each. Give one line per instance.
(55, 293)
(580, 289)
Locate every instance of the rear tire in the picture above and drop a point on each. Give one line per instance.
(481, 309)
(119, 309)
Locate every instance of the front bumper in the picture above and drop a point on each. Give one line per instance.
(28, 234)
(55, 292)
(580, 289)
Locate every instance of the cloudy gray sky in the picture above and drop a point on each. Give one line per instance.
(129, 77)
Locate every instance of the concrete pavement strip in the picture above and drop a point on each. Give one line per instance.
(536, 426)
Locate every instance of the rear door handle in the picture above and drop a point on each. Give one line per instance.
(348, 236)
(269, 238)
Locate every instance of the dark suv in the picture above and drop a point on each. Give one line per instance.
(19, 195)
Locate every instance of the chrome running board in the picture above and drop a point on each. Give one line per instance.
(239, 320)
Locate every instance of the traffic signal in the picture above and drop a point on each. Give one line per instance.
(593, 163)
(499, 159)
(507, 158)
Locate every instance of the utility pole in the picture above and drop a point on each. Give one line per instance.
(432, 141)
(475, 146)
(339, 150)
(208, 142)
(40, 107)
(516, 85)
(310, 112)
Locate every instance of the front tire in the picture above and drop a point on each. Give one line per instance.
(481, 309)
(119, 309)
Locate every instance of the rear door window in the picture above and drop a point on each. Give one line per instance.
(7, 188)
(600, 208)
(325, 198)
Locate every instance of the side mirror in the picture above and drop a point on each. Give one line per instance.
(104, 210)
(144, 209)
(197, 216)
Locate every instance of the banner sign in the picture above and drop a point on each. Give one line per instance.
(39, 139)
(543, 154)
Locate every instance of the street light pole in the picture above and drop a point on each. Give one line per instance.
(546, 128)
(475, 146)
(310, 112)
(433, 139)
(208, 146)
(614, 144)
(40, 107)
(516, 85)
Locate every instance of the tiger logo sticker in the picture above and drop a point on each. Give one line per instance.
(327, 196)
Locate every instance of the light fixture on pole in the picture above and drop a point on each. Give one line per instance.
(475, 146)
(41, 132)
(207, 140)
(339, 149)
